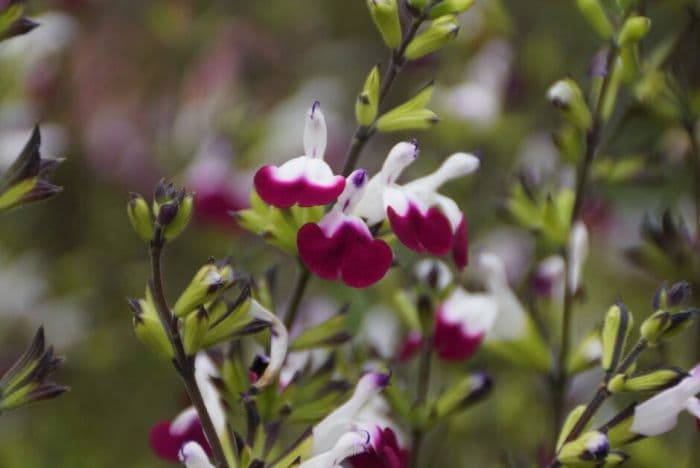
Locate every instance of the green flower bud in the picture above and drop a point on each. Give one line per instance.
(665, 324)
(594, 13)
(567, 96)
(590, 447)
(618, 323)
(450, 7)
(569, 424)
(25, 180)
(385, 14)
(587, 354)
(149, 328)
(140, 216)
(172, 208)
(206, 285)
(368, 100)
(634, 29)
(194, 329)
(653, 381)
(615, 458)
(181, 219)
(418, 4)
(411, 115)
(673, 296)
(617, 383)
(27, 381)
(466, 392)
(437, 35)
(332, 332)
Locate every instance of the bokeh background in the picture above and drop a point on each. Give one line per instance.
(206, 91)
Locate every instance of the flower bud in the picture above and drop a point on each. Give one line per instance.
(27, 381)
(567, 96)
(194, 329)
(385, 14)
(437, 35)
(618, 323)
(25, 180)
(368, 100)
(590, 447)
(648, 381)
(149, 328)
(634, 29)
(615, 458)
(450, 7)
(207, 283)
(140, 216)
(418, 4)
(665, 324)
(669, 297)
(172, 208)
(569, 424)
(411, 115)
(594, 13)
(464, 393)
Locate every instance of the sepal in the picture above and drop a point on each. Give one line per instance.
(618, 323)
(438, 34)
(385, 14)
(368, 101)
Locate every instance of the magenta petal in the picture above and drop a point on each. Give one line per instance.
(286, 193)
(385, 452)
(365, 262)
(431, 232)
(460, 245)
(320, 254)
(167, 445)
(349, 254)
(452, 343)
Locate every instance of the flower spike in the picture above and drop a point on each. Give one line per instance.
(306, 180)
(341, 246)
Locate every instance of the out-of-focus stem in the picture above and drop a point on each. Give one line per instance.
(183, 364)
(299, 289)
(422, 388)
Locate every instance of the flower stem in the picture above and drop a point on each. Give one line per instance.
(299, 288)
(422, 388)
(559, 379)
(183, 363)
(396, 62)
(601, 395)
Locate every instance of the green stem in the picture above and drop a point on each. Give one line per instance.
(422, 388)
(559, 379)
(396, 62)
(299, 288)
(183, 364)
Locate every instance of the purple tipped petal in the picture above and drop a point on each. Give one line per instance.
(302, 191)
(451, 342)
(348, 254)
(430, 232)
(166, 444)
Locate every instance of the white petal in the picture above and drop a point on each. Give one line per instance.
(204, 371)
(660, 413)
(476, 313)
(400, 156)
(339, 421)
(693, 407)
(457, 165)
(561, 93)
(578, 252)
(293, 169)
(278, 343)
(450, 209)
(193, 456)
(511, 321)
(396, 198)
(349, 444)
(315, 132)
(355, 185)
(183, 421)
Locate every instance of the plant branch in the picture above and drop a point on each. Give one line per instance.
(299, 288)
(422, 388)
(183, 364)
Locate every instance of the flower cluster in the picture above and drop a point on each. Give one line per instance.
(342, 245)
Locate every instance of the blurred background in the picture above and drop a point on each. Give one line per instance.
(205, 92)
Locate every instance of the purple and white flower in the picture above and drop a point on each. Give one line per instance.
(461, 322)
(659, 414)
(421, 218)
(306, 180)
(341, 246)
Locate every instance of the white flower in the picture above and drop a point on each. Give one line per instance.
(193, 456)
(659, 414)
(578, 252)
(347, 445)
(204, 371)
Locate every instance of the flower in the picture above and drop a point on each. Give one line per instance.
(340, 246)
(306, 180)
(174, 440)
(461, 322)
(422, 219)
(384, 451)
(578, 252)
(344, 419)
(659, 414)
